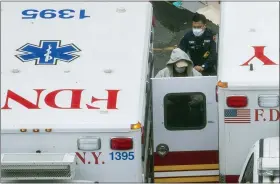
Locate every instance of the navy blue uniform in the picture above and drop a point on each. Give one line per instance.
(202, 50)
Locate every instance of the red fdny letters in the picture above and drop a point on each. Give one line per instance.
(50, 99)
(259, 54)
(272, 115)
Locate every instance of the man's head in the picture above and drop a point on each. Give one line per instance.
(180, 63)
(181, 66)
(198, 24)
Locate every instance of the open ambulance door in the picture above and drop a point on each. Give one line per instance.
(185, 125)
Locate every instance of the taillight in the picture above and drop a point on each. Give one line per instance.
(237, 101)
(121, 143)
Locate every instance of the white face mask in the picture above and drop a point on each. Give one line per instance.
(198, 32)
(180, 70)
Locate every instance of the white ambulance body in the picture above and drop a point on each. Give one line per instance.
(73, 90)
(248, 75)
(210, 143)
(262, 162)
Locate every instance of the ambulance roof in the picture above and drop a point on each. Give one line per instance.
(113, 44)
(249, 29)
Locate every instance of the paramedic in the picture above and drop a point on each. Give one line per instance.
(180, 65)
(200, 45)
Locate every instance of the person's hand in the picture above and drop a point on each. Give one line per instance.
(199, 68)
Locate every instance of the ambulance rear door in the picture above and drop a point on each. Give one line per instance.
(185, 135)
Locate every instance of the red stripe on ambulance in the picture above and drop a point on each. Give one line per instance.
(231, 178)
(187, 158)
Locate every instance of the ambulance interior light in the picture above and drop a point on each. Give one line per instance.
(269, 167)
(268, 101)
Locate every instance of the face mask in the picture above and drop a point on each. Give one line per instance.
(180, 70)
(198, 32)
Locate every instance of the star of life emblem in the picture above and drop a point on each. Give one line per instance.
(49, 52)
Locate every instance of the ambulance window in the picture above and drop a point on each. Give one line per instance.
(185, 111)
(248, 173)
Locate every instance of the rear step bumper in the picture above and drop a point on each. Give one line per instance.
(37, 166)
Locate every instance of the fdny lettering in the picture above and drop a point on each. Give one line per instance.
(271, 115)
(259, 54)
(89, 158)
(50, 99)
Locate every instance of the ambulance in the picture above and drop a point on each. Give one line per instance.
(74, 91)
(233, 136)
(79, 103)
(248, 91)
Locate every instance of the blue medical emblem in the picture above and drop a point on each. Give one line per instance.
(48, 52)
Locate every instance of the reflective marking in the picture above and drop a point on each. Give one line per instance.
(188, 179)
(187, 173)
(187, 167)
